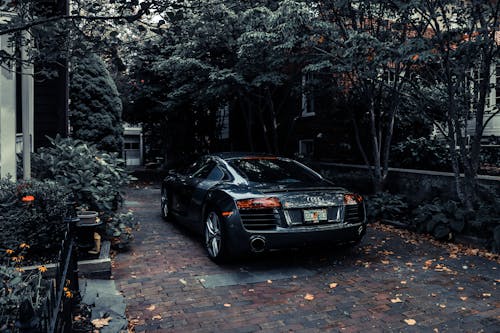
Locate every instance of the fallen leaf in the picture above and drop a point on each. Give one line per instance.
(157, 317)
(101, 322)
(410, 321)
(428, 263)
(403, 282)
(183, 281)
(227, 305)
(269, 281)
(385, 262)
(486, 295)
(251, 290)
(309, 297)
(463, 298)
(151, 308)
(433, 294)
(333, 285)
(409, 264)
(460, 288)
(396, 300)
(442, 306)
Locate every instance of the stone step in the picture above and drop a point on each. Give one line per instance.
(105, 301)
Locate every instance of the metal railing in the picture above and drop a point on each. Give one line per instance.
(63, 290)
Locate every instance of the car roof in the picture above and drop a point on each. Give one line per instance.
(235, 155)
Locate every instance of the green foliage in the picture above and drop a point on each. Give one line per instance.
(19, 290)
(387, 206)
(119, 230)
(96, 108)
(440, 219)
(421, 153)
(94, 177)
(32, 212)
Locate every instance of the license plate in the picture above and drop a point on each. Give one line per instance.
(315, 215)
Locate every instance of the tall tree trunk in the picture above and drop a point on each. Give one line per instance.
(377, 180)
(247, 116)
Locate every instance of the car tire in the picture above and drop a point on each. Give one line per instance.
(214, 237)
(164, 205)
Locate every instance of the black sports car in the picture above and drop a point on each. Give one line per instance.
(243, 203)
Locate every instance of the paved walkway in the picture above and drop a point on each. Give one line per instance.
(387, 284)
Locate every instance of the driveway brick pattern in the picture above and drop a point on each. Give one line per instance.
(386, 284)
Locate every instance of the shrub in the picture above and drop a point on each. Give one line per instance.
(94, 177)
(19, 291)
(421, 153)
(442, 220)
(119, 230)
(96, 107)
(32, 212)
(385, 206)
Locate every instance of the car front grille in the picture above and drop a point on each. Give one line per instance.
(354, 214)
(260, 219)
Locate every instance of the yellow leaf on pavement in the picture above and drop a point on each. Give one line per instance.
(227, 305)
(486, 295)
(101, 322)
(151, 308)
(410, 321)
(309, 297)
(157, 317)
(463, 298)
(333, 285)
(396, 300)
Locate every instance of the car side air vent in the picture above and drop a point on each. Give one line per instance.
(259, 219)
(354, 214)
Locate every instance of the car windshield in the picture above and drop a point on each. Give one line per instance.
(272, 170)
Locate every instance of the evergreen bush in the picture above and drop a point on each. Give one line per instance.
(96, 107)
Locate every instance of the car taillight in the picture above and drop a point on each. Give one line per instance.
(352, 199)
(258, 203)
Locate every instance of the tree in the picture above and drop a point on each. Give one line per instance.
(96, 108)
(460, 46)
(368, 49)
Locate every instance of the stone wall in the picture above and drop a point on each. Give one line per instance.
(415, 185)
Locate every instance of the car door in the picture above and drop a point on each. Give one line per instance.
(181, 188)
(205, 180)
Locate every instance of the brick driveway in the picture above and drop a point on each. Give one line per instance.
(386, 284)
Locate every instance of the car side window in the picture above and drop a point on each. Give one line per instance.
(216, 174)
(205, 170)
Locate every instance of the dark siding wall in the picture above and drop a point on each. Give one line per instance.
(51, 95)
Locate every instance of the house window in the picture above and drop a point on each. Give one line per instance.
(307, 98)
(131, 145)
(306, 147)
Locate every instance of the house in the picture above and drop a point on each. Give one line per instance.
(32, 107)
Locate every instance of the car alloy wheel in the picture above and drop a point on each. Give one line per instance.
(164, 204)
(213, 236)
